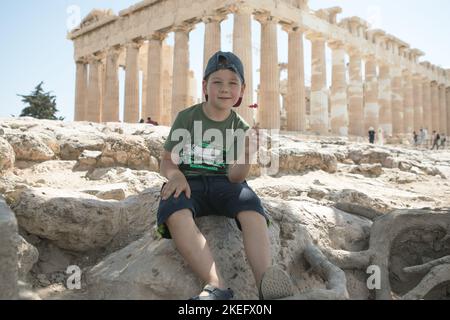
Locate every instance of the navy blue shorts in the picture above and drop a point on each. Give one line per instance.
(211, 195)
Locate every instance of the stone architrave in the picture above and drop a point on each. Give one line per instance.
(418, 103)
(435, 107)
(269, 111)
(180, 93)
(154, 96)
(339, 119)
(110, 112)
(212, 40)
(427, 113)
(408, 103)
(94, 112)
(398, 127)
(319, 118)
(355, 95)
(371, 106)
(385, 100)
(81, 90)
(242, 47)
(295, 100)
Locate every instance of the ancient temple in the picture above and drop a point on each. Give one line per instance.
(398, 92)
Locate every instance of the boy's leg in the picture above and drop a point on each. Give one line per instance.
(256, 242)
(192, 246)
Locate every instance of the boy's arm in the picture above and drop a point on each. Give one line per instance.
(239, 171)
(168, 167)
(177, 181)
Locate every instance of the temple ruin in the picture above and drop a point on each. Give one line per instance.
(398, 93)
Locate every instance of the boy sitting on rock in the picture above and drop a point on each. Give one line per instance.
(202, 182)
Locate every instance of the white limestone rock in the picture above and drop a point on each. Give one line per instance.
(153, 269)
(30, 147)
(80, 222)
(28, 255)
(7, 155)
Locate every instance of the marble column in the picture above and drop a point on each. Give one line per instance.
(295, 100)
(145, 83)
(242, 47)
(418, 103)
(81, 90)
(319, 118)
(448, 109)
(371, 106)
(131, 106)
(408, 103)
(212, 41)
(269, 111)
(435, 107)
(180, 93)
(339, 120)
(385, 100)
(93, 113)
(154, 95)
(355, 96)
(398, 127)
(111, 96)
(427, 113)
(442, 110)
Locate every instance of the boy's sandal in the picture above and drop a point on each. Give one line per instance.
(215, 294)
(275, 284)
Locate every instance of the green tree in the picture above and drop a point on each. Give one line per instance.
(40, 104)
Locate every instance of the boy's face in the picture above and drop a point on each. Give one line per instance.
(224, 88)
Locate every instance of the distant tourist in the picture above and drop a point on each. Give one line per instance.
(436, 138)
(425, 134)
(380, 136)
(421, 137)
(416, 138)
(372, 135)
(142, 121)
(150, 121)
(443, 140)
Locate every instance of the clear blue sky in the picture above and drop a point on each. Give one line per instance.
(35, 48)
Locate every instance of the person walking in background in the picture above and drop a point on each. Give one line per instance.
(443, 140)
(425, 139)
(416, 138)
(380, 136)
(421, 137)
(150, 121)
(436, 138)
(371, 135)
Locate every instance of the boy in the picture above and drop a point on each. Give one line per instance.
(201, 182)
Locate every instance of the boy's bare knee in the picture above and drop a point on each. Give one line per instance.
(178, 217)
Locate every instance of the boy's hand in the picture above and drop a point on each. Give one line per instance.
(177, 184)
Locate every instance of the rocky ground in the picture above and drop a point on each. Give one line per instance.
(86, 194)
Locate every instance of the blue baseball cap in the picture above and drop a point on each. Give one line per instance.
(225, 60)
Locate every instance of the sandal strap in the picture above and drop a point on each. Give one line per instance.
(209, 288)
(219, 293)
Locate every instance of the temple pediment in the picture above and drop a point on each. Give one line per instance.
(95, 16)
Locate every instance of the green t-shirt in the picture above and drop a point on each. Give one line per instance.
(206, 147)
